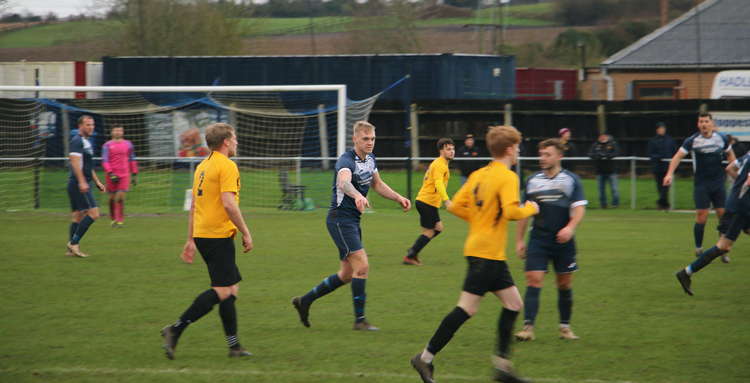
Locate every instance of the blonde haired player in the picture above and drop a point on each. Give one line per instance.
(356, 172)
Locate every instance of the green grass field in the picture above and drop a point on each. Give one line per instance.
(98, 319)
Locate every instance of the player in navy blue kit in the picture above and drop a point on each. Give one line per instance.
(562, 206)
(355, 173)
(735, 220)
(82, 174)
(707, 148)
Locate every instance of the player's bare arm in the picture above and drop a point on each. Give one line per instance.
(344, 183)
(521, 227)
(673, 166)
(732, 169)
(188, 250)
(567, 232)
(384, 190)
(76, 163)
(98, 183)
(235, 215)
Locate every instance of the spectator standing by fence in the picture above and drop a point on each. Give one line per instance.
(603, 152)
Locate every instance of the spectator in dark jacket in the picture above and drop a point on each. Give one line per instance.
(570, 148)
(602, 152)
(661, 147)
(468, 150)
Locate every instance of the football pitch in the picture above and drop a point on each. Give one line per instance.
(98, 319)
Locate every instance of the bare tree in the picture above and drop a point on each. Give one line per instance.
(176, 27)
(384, 27)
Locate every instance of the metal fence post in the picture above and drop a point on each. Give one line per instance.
(633, 180)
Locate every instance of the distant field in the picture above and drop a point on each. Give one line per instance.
(81, 31)
(58, 34)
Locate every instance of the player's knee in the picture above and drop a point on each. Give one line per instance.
(94, 214)
(534, 280)
(514, 305)
(564, 285)
(437, 232)
(724, 246)
(345, 277)
(429, 233)
(470, 311)
(438, 227)
(361, 271)
(223, 292)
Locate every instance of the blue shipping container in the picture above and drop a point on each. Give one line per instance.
(433, 76)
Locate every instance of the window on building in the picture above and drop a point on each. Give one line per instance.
(656, 90)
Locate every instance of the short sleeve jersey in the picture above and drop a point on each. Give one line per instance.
(214, 175)
(734, 202)
(362, 172)
(556, 196)
(430, 193)
(81, 147)
(486, 194)
(707, 153)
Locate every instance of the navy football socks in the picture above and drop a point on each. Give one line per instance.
(531, 304)
(83, 226)
(332, 282)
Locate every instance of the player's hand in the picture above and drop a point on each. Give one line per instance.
(84, 187)
(247, 243)
(564, 235)
(448, 204)
(101, 187)
(534, 204)
(188, 251)
(114, 177)
(134, 179)
(521, 249)
(405, 203)
(361, 203)
(667, 180)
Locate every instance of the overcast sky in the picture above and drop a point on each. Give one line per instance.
(60, 7)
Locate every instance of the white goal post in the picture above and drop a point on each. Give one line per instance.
(288, 136)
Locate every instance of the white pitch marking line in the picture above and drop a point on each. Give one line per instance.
(192, 371)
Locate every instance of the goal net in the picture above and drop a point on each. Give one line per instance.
(289, 136)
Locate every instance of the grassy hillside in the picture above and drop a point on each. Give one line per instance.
(91, 30)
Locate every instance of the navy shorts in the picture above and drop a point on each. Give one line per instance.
(346, 234)
(732, 224)
(485, 275)
(539, 253)
(80, 201)
(428, 215)
(707, 195)
(218, 253)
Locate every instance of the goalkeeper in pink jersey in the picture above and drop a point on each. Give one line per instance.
(118, 160)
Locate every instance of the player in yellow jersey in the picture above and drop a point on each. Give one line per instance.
(487, 201)
(431, 196)
(214, 219)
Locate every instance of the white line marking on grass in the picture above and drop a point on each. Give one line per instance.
(244, 372)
